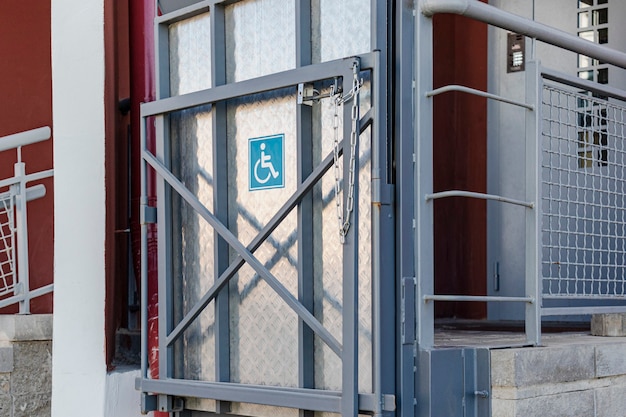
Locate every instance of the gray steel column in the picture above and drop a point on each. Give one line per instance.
(349, 353)
(404, 151)
(533, 194)
(382, 218)
(306, 339)
(164, 203)
(424, 238)
(220, 198)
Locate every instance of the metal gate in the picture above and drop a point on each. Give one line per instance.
(275, 226)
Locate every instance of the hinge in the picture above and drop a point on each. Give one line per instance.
(408, 310)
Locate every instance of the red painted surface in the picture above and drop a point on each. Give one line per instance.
(143, 89)
(26, 103)
(460, 152)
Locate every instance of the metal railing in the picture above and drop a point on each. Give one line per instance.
(14, 270)
(575, 207)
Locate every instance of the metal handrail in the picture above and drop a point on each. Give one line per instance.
(19, 194)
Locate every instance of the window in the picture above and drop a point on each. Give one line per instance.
(593, 19)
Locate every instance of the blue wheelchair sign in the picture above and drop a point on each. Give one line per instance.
(266, 162)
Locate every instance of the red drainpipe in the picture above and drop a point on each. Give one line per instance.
(143, 90)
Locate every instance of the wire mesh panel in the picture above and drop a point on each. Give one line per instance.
(583, 195)
(7, 244)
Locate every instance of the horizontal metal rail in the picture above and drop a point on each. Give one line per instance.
(24, 138)
(481, 196)
(38, 292)
(480, 93)
(32, 193)
(602, 89)
(289, 78)
(575, 311)
(302, 398)
(509, 21)
(479, 298)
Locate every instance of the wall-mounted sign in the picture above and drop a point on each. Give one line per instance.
(516, 52)
(266, 162)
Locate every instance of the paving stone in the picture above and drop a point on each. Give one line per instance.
(611, 401)
(525, 367)
(611, 324)
(6, 404)
(610, 360)
(6, 358)
(5, 384)
(569, 404)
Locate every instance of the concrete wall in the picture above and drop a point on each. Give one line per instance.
(25, 365)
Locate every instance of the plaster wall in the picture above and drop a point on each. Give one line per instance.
(78, 365)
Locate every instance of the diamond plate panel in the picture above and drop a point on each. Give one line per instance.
(328, 261)
(260, 38)
(190, 55)
(264, 336)
(340, 28)
(192, 163)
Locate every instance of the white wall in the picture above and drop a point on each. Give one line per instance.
(78, 367)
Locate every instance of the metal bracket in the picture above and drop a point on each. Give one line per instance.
(148, 215)
(148, 403)
(408, 310)
(307, 94)
(170, 404)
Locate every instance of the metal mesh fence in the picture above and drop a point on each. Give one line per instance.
(583, 189)
(7, 244)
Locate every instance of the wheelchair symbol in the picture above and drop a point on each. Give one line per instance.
(265, 161)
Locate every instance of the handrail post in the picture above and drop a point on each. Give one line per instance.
(22, 236)
(533, 273)
(424, 232)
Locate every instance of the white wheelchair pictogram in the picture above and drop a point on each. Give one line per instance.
(265, 161)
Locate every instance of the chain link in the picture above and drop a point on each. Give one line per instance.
(344, 218)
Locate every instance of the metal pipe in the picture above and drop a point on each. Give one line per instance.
(492, 15)
(24, 138)
(482, 196)
(478, 93)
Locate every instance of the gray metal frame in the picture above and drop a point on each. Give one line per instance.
(533, 297)
(19, 194)
(159, 393)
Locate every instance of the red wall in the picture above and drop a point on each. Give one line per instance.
(460, 151)
(26, 103)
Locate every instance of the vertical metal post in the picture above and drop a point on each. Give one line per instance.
(306, 339)
(382, 219)
(220, 197)
(405, 202)
(350, 354)
(424, 238)
(144, 252)
(534, 87)
(164, 204)
(23, 275)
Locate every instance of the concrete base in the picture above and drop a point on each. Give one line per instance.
(613, 324)
(25, 365)
(573, 375)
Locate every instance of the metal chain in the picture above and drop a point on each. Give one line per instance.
(344, 218)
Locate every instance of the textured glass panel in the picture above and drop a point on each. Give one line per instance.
(264, 330)
(192, 163)
(340, 28)
(260, 38)
(190, 55)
